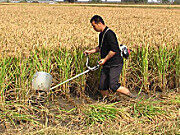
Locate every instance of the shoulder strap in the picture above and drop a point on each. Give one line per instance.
(103, 38)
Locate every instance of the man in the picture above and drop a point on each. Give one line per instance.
(111, 59)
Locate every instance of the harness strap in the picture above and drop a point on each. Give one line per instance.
(103, 38)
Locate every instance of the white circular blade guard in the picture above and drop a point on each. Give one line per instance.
(41, 81)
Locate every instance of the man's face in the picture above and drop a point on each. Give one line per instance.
(96, 27)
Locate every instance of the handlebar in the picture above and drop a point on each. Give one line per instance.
(91, 68)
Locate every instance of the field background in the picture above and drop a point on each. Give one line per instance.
(52, 38)
(27, 26)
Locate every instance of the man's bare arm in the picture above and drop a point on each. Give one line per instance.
(95, 50)
(110, 55)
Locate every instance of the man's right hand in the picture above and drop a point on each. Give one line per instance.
(87, 52)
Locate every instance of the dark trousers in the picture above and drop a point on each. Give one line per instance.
(109, 78)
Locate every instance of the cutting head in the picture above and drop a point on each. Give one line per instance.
(41, 81)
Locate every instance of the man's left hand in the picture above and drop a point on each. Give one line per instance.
(102, 62)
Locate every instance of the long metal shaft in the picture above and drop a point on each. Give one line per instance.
(89, 69)
(70, 79)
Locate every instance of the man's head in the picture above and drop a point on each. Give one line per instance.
(97, 23)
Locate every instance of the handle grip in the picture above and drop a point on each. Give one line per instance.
(91, 68)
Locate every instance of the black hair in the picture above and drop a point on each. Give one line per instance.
(97, 19)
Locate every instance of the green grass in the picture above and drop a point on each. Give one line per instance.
(17, 109)
(100, 113)
(146, 64)
(145, 108)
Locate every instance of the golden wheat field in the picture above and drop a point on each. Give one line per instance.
(52, 38)
(24, 27)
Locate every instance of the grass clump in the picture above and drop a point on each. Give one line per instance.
(147, 109)
(100, 113)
